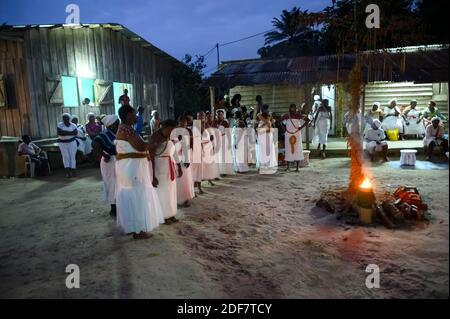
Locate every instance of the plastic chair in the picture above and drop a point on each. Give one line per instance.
(31, 166)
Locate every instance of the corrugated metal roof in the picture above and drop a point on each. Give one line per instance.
(16, 31)
(418, 64)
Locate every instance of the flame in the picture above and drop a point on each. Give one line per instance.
(366, 184)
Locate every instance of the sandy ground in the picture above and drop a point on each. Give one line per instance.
(250, 236)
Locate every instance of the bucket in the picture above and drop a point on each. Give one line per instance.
(392, 135)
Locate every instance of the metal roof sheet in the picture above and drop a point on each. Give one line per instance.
(419, 64)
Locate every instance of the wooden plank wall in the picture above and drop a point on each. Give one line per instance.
(440, 96)
(278, 97)
(106, 53)
(403, 91)
(15, 120)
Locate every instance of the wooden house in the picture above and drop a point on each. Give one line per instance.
(46, 70)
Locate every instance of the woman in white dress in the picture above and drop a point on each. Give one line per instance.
(415, 125)
(210, 163)
(165, 169)
(294, 122)
(240, 144)
(370, 116)
(138, 207)
(322, 125)
(224, 155)
(393, 118)
(375, 141)
(197, 172)
(104, 147)
(266, 150)
(84, 141)
(185, 182)
(67, 142)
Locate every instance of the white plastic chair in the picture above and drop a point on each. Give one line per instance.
(30, 165)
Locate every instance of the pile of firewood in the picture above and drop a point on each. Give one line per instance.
(406, 205)
(402, 208)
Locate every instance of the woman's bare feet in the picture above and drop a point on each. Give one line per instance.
(186, 204)
(171, 220)
(142, 235)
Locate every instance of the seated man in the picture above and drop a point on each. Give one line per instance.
(434, 136)
(432, 112)
(29, 148)
(375, 141)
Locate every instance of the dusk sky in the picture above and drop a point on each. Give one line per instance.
(175, 26)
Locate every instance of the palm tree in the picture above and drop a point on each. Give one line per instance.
(290, 26)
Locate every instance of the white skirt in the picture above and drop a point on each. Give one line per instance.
(392, 123)
(414, 129)
(197, 173)
(293, 153)
(69, 154)
(81, 146)
(185, 186)
(240, 151)
(321, 131)
(138, 207)
(108, 170)
(225, 157)
(210, 169)
(85, 146)
(167, 188)
(373, 146)
(267, 154)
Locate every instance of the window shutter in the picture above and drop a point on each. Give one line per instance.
(151, 95)
(3, 97)
(103, 91)
(54, 90)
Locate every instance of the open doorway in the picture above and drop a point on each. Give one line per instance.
(118, 89)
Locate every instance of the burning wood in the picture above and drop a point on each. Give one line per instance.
(403, 207)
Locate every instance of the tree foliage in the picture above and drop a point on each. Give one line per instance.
(340, 28)
(190, 95)
(294, 34)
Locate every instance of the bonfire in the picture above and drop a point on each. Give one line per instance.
(360, 202)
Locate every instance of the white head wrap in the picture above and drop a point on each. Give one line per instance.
(392, 100)
(109, 120)
(67, 115)
(376, 123)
